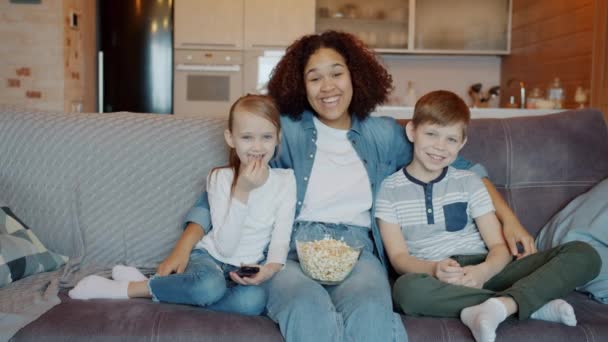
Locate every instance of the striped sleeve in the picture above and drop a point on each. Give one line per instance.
(385, 209)
(480, 201)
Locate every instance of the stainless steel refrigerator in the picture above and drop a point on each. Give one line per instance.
(135, 55)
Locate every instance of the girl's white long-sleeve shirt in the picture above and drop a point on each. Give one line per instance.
(241, 232)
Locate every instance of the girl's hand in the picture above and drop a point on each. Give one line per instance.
(180, 255)
(449, 271)
(266, 272)
(252, 176)
(475, 276)
(176, 262)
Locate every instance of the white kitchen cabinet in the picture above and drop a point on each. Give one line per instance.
(381, 24)
(422, 26)
(209, 24)
(462, 25)
(277, 23)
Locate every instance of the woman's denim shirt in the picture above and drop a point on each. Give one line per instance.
(380, 142)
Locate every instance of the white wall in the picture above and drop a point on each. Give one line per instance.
(454, 73)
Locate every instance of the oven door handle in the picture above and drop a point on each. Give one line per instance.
(208, 67)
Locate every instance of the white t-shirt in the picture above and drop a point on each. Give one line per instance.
(240, 231)
(338, 189)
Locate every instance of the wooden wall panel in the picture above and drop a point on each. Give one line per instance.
(599, 71)
(549, 38)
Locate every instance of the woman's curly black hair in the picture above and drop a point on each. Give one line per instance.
(371, 81)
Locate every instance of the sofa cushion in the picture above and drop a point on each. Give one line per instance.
(21, 253)
(133, 177)
(584, 219)
(144, 320)
(540, 163)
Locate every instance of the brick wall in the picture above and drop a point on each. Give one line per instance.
(41, 57)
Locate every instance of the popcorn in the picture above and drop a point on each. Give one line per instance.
(327, 260)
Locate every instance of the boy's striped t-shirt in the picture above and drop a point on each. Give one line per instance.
(436, 218)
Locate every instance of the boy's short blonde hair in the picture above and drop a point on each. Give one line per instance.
(441, 107)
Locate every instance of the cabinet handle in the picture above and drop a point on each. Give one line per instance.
(265, 46)
(208, 44)
(208, 67)
(100, 81)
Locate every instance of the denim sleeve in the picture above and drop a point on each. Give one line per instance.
(200, 213)
(463, 164)
(401, 146)
(282, 158)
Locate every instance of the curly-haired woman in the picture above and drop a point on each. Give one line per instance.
(326, 85)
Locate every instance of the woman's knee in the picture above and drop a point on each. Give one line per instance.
(303, 300)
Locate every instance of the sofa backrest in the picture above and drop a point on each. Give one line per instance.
(540, 163)
(113, 188)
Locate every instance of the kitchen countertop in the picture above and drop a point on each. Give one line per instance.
(398, 112)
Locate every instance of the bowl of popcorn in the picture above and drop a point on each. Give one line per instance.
(327, 256)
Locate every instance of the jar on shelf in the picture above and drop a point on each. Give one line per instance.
(556, 94)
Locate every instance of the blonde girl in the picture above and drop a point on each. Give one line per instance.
(252, 213)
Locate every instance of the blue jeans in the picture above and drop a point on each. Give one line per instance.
(206, 283)
(358, 309)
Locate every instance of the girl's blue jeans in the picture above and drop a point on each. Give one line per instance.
(206, 283)
(358, 309)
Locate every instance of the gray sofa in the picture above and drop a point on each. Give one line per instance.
(113, 188)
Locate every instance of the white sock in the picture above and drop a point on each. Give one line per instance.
(127, 273)
(483, 319)
(558, 311)
(94, 286)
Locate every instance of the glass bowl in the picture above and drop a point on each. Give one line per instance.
(327, 256)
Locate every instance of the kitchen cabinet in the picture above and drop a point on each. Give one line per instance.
(277, 23)
(462, 25)
(381, 24)
(209, 24)
(422, 26)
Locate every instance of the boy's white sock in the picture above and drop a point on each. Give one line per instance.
(558, 311)
(483, 319)
(94, 286)
(127, 273)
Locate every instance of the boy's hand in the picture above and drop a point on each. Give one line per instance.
(449, 271)
(252, 176)
(474, 276)
(266, 272)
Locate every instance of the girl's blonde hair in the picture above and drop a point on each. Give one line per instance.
(260, 105)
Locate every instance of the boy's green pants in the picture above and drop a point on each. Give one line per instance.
(531, 281)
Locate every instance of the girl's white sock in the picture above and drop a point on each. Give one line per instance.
(127, 273)
(94, 286)
(483, 319)
(558, 311)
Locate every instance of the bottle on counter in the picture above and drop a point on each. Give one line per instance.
(580, 97)
(410, 95)
(556, 94)
(535, 95)
(512, 103)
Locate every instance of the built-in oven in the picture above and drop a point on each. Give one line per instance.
(206, 82)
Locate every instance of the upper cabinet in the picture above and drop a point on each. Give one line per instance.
(209, 24)
(277, 23)
(422, 26)
(381, 24)
(242, 24)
